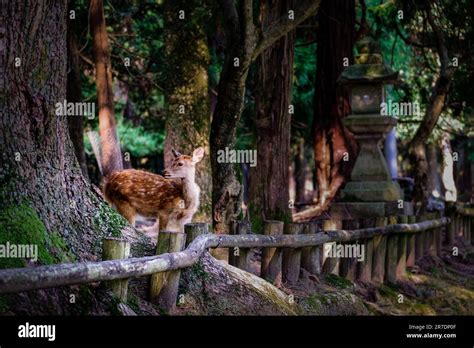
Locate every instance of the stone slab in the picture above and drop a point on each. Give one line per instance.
(357, 210)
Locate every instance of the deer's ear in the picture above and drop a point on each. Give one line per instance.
(198, 154)
(175, 153)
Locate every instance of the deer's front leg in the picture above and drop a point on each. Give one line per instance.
(163, 221)
(152, 231)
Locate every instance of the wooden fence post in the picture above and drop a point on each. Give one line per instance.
(411, 244)
(271, 257)
(451, 228)
(470, 229)
(310, 256)
(116, 249)
(458, 225)
(433, 237)
(331, 262)
(391, 254)
(380, 248)
(419, 241)
(402, 251)
(164, 285)
(291, 262)
(467, 229)
(194, 230)
(232, 231)
(364, 269)
(242, 259)
(439, 236)
(348, 265)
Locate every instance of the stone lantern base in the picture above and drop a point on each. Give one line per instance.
(371, 191)
(370, 178)
(360, 210)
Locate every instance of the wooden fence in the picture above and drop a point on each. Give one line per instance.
(390, 246)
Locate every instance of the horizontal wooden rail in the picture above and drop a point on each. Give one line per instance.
(26, 279)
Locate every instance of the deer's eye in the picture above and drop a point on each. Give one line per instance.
(180, 164)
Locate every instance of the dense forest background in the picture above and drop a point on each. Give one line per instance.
(147, 69)
(248, 75)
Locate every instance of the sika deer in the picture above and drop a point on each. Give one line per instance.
(172, 200)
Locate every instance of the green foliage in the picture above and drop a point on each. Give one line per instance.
(136, 140)
(419, 67)
(303, 86)
(136, 36)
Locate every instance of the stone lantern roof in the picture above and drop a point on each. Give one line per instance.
(369, 66)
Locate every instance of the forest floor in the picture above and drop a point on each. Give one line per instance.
(436, 286)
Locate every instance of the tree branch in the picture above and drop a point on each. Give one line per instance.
(231, 23)
(284, 25)
(441, 45)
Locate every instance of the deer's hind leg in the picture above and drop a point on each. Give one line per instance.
(127, 211)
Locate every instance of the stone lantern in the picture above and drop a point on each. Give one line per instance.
(371, 191)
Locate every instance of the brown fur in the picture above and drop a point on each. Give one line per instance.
(137, 192)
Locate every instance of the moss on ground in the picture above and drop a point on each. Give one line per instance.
(438, 292)
(338, 282)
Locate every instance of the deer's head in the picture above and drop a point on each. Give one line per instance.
(183, 166)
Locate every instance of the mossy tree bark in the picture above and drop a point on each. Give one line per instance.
(189, 116)
(39, 173)
(269, 185)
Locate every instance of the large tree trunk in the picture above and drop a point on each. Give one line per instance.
(74, 95)
(269, 186)
(111, 156)
(189, 117)
(331, 140)
(45, 199)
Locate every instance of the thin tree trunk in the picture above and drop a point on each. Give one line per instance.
(189, 116)
(111, 156)
(74, 94)
(300, 171)
(417, 149)
(269, 186)
(332, 142)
